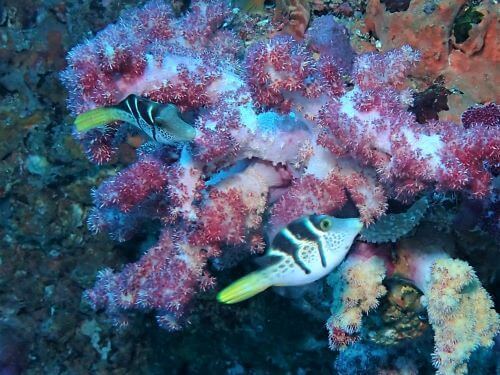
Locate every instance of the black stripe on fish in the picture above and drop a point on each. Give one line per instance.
(152, 112)
(136, 105)
(268, 260)
(144, 108)
(132, 102)
(288, 244)
(153, 131)
(143, 111)
(124, 104)
(301, 230)
(304, 229)
(128, 106)
(319, 241)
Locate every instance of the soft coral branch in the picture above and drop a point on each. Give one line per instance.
(164, 279)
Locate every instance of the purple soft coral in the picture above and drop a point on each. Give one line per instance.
(329, 38)
(285, 140)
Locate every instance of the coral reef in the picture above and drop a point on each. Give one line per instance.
(431, 28)
(367, 358)
(181, 216)
(324, 141)
(400, 316)
(170, 277)
(284, 140)
(455, 294)
(329, 38)
(460, 310)
(297, 14)
(47, 255)
(357, 287)
(484, 115)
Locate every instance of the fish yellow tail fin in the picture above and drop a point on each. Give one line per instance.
(98, 117)
(244, 288)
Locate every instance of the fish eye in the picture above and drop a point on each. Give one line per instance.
(325, 224)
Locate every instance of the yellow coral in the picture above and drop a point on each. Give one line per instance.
(357, 287)
(461, 313)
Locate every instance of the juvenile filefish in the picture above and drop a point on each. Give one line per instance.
(304, 251)
(161, 122)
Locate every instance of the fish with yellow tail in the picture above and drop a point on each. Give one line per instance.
(304, 251)
(161, 122)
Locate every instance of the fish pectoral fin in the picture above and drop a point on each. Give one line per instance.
(245, 288)
(168, 118)
(98, 117)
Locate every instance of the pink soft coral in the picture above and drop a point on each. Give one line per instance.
(283, 140)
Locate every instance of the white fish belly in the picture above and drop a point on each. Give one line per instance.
(290, 274)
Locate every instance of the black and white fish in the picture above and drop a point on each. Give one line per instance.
(304, 251)
(161, 122)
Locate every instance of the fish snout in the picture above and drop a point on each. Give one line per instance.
(350, 225)
(170, 120)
